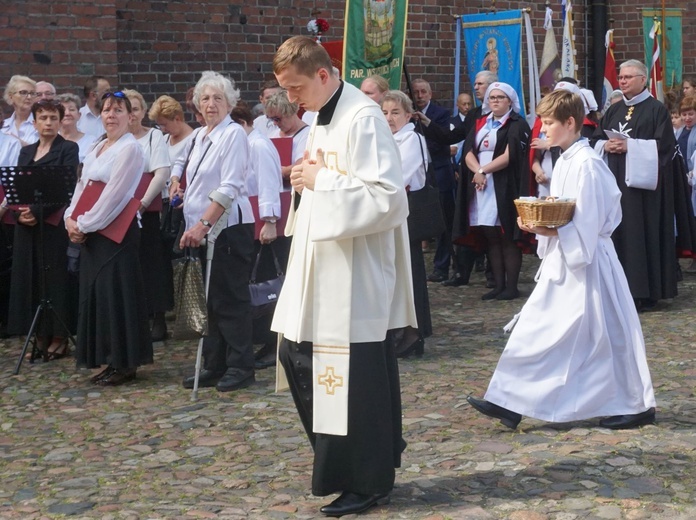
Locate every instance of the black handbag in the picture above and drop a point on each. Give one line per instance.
(264, 295)
(425, 220)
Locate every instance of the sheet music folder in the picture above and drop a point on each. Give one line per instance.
(118, 228)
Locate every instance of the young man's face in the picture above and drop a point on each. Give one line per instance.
(689, 117)
(677, 120)
(559, 133)
(309, 93)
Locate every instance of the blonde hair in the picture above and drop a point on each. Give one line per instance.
(134, 94)
(305, 54)
(398, 97)
(280, 103)
(381, 83)
(167, 107)
(561, 105)
(11, 86)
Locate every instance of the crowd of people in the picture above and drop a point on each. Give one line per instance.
(343, 166)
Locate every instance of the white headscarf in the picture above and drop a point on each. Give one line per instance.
(589, 99)
(572, 87)
(509, 92)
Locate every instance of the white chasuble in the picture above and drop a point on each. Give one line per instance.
(349, 274)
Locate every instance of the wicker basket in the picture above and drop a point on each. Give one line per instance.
(547, 212)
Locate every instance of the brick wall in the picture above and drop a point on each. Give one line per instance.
(161, 47)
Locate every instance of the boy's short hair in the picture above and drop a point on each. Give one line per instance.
(562, 105)
(688, 103)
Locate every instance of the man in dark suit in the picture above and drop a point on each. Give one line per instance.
(444, 175)
(464, 104)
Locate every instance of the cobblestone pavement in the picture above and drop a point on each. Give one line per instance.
(146, 451)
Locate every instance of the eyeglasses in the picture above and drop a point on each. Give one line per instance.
(276, 119)
(630, 77)
(496, 98)
(26, 93)
(118, 94)
(45, 94)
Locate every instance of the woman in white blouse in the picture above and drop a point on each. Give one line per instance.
(169, 116)
(112, 323)
(216, 202)
(283, 114)
(20, 94)
(398, 110)
(68, 127)
(159, 287)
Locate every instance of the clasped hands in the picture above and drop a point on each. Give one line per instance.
(479, 181)
(304, 174)
(616, 146)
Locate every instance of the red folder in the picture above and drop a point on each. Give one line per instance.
(145, 180)
(285, 200)
(117, 229)
(53, 219)
(284, 147)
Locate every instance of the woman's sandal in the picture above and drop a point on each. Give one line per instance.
(59, 352)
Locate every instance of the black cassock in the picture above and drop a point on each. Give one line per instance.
(645, 239)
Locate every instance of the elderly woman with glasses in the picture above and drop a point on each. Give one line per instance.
(20, 94)
(496, 158)
(283, 114)
(112, 324)
(50, 150)
(216, 206)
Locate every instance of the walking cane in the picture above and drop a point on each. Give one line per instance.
(209, 243)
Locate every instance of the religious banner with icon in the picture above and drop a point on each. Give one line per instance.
(374, 39)
(493, 42)
(671, 51)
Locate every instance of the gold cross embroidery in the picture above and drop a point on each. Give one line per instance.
(330, 380)
(630, 113)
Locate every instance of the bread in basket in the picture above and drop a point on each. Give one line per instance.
(547, 212)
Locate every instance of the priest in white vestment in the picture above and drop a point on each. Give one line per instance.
(577, 349)
(347, 284)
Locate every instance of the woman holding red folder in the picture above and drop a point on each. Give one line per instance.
(112, 325)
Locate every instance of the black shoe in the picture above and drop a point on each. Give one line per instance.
(352, 503)
(455, 281)
(269, 360)
(101, 375)
(508, 294)
(437, 276)
(234, 379)
(117, 377)
(624, 422)
(417, 348)
(206, 379)
(490, 284)
(508, 418)
(480, 265)
(492, 295)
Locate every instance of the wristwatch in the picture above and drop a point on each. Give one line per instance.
(205, 222)
(480, 170)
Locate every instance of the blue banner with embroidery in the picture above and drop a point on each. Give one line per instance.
(493, 42)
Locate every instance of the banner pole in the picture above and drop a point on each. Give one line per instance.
(457, 62)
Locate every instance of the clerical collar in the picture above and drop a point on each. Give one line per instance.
(327, 111)
(639, 98)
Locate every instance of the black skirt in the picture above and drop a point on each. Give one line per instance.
(112, 325)
(155, 266)
(420, 290)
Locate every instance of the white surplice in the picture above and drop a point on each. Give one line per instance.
(577, 350)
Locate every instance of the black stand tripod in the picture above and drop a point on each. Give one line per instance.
(39, 186)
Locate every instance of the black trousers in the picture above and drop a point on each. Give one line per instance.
(228, 343)
(364, 460)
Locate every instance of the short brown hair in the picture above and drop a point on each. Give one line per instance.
(167, 107)
(561, 105)
(688, 103)
(241, 113)
(305, 54)
(48, 105)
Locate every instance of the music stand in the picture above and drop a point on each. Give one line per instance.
(39, 186)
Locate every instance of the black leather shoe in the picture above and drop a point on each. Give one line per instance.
(508, 418)
(508, 294)
(207, 379)
(455, 281)
(352, 503)
(269, 360)
(101, 375)
(437, 277)
(624, 422)
(118, 377)
(234, 379)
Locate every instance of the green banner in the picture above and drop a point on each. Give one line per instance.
(374, 39)
(671, 54)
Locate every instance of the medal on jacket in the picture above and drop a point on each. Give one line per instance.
(630, 113)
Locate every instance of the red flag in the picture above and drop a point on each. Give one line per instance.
(656, 68)
(611, 82)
